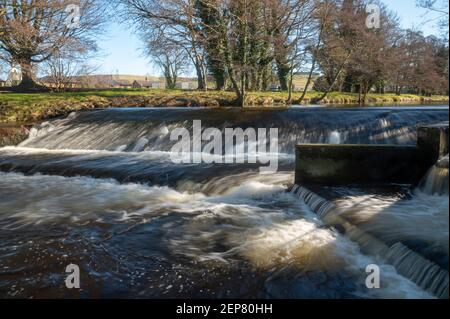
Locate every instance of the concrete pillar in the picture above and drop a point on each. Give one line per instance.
(357, 164)
(444, 142)
(326, 164)
(433, 142)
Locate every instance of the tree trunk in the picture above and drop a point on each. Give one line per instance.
(359, 95)
(265, 79)
(290, 87)
(27, 74)
(201, 76)
(324, 95)
(348, 84)
(365, 91)
(364, 97)
(200, 80)
(28, 84)
(243, 94)
(219, 77)
(283, 74)
(170, 85)
(308, 82)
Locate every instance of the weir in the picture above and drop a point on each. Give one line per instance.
(371, 164)
(378, 165)
(408, 263)
(100, 187)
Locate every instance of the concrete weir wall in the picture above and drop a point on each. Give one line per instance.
(333, 165)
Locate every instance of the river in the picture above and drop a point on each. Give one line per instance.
(99, 190)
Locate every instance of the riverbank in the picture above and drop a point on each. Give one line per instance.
(13, 134)
(15, 107)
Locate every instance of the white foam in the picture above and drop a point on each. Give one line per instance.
(335, 138)
(396, 219)
(255, 220)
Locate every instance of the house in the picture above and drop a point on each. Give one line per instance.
(157, 85)
(14, 77)
(123, 84)
(186, 84)
(137, 84)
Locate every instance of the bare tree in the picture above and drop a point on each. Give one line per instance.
(339, 43)
(307, 28)
(64, 70)
(171, 58)
(441, 8)
(234, 25)
(354, 57)
(251, 35)
(292, 28)
(240, 41)
(32, 31)
(177, 21)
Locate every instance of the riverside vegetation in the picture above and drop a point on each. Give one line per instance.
(17, 107)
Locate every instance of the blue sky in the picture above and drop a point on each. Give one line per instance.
(120, 52)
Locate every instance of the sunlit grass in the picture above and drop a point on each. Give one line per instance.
(19, 107)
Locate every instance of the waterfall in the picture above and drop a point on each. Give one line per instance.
(424, 273)
(149, 130)
(407, 262)
(318, 204)
(134, 145)
(436, 180)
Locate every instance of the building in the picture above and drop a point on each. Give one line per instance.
(158, 85)
(124, 82)
(14, 77)
(136, 85)
(186, 84)
(2, 83)
(139, 84)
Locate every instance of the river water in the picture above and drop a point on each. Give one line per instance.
(99, 190)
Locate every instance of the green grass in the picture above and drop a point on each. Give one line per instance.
(16, 107)
(337, 97)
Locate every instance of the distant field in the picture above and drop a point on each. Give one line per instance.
(127, 80)
(15, 107)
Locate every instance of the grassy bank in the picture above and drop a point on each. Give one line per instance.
(15, 107)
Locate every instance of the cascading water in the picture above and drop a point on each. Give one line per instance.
(436, 181)
(149, 130)
(356, 216)
(99, 189)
